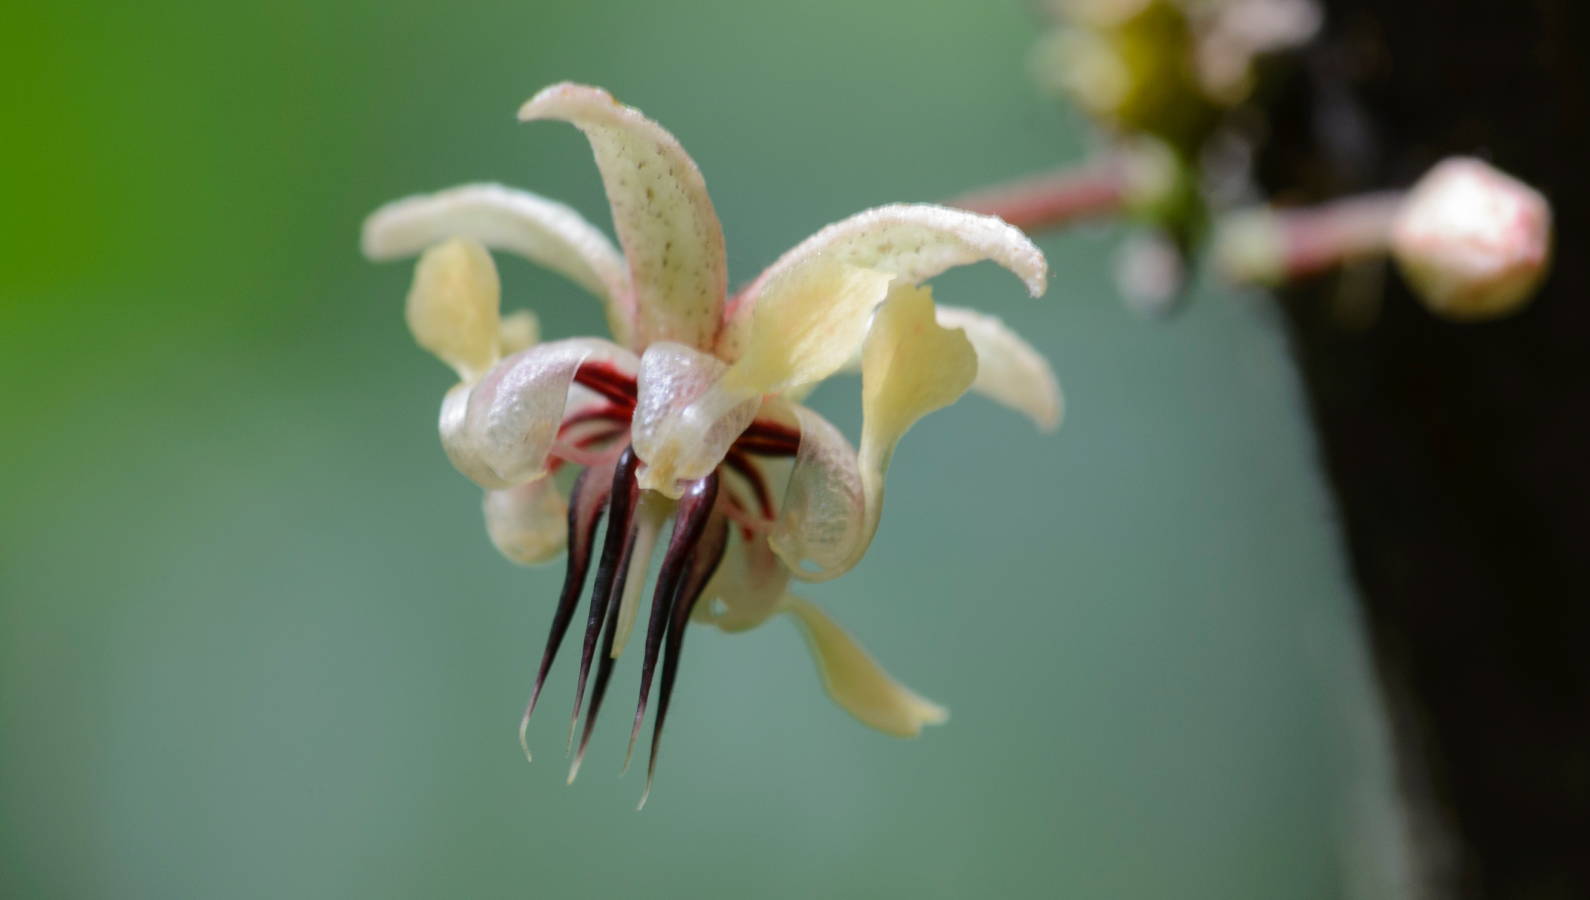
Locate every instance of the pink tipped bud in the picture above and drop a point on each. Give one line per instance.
(1473, 242)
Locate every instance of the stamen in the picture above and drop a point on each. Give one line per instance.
(737, 512)
(586, 501)
(610, 413)
(769, 439)
(690, 523)
(653, 513)
(615, 553)
(646, 520)
(745, 468)
(609, 382)
(709, 553)
(604, 672)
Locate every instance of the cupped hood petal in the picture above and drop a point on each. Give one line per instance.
(528, 523)
(685, 420)
(823, 516)
(499, 431)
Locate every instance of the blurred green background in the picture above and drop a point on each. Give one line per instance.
(254, 643)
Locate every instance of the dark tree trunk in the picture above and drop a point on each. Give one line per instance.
(1460, 454)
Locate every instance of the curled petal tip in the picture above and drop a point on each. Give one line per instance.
(370, 238)
(551, 100)
(992, 237)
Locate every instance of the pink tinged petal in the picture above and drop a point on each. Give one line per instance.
(914, 242)
(543, 231)
(856, 681)
(684, 421)
(499, 431)
(661, 211)
(528, 523)
(1473, 241)
(452, 306)
(1010, 371)
(910, 366)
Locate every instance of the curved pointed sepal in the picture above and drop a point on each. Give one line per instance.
(856, 681)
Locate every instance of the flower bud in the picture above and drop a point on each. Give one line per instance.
(1473, 242)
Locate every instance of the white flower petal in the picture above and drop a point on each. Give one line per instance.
(685, 419)
(499, 434)
(661, 211)
(528, 523)
(544, 231)
(856, 681)
(1009, 370)
(911, 241)
(452, 306)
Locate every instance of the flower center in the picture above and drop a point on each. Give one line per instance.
(597, 438)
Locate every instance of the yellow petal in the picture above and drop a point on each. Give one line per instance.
(1009, 370)
(910, 366)
(520, 330)
(661, 211)
(856, 681)
(528, 523)
(913, 242)
(543, 231)
(806, 325)
(452, 307)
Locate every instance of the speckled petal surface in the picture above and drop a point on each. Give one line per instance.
(664, 218)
